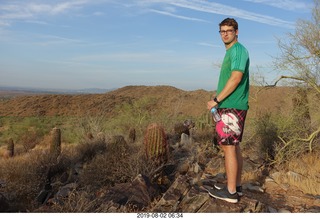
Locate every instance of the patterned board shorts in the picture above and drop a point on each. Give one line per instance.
(230, 128)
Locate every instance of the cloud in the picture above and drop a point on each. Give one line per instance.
(208, 45)
(222, 9)
(20, 11)
(217, 8)
(13, 11)
(177, 16)
(291, 5)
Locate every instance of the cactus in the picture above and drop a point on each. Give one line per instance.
(10, 147)
(55, 146)
(155, 141)
(132, 135)
(205, 121)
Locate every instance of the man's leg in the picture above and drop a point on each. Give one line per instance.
(240, 164)
(228, 193)
(231, 166)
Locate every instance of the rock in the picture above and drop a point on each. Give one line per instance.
(65, 190)
(269, 179)
(275, 175)
(193, 201)
(283, 210)
(186, 140)
(170, 200)
(213, 205)
(272, 210)
(253, 188)
(2, 183)
(295, 176)
(4, 203)
(183, 167)
(285, 186)
(137, 195)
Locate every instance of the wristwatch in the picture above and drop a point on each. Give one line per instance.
(216, 100)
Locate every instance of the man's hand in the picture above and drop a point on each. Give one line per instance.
(211, 104)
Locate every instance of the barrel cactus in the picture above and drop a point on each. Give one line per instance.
(10, 147)
(155, 142)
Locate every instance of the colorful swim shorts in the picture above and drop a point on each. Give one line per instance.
(230, 128)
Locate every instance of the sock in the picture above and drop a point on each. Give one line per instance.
(232, 192)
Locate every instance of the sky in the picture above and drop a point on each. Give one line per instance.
(108, 44)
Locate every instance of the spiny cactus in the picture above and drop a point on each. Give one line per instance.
(10, 147)
(132, 135)
(155, 141)
(205, 121)
(55, 144)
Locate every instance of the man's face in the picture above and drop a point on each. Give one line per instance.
(228, 34)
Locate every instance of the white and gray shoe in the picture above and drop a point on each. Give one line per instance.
(220, 186)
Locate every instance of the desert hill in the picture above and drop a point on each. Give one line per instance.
(165, 98)
(171, 101)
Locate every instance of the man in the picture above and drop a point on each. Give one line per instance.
(232, 102)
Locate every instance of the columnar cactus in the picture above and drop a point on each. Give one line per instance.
(205, 121)
(155, 141)
(10, 147)
(132, 135)
(55, 145)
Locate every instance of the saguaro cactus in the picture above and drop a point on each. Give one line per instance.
(10, 148)
(155, 142)
(55, 145)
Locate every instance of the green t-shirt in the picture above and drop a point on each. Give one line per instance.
(235, 59)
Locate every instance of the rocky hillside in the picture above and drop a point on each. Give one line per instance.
(194, 164)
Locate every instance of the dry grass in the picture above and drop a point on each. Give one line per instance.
(76, 202)
(302, 173)
(23, 176)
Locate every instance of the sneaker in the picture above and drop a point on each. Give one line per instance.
(220, 186)
(224, 194)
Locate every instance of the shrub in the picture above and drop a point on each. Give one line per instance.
(266, 136)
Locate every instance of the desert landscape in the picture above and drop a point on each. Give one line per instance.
(102, 151)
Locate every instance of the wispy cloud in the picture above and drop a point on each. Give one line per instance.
(291, 5)
(177, 16)
(14, 11)
(208, 45)
(217, 8)
(46, 40)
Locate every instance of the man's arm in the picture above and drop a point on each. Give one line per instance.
(230, 86)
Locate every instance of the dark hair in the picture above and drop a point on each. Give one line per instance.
(229, 22)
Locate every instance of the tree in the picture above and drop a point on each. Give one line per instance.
(300, 58)
(300, 51)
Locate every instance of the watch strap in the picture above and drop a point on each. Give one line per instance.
(216, 100)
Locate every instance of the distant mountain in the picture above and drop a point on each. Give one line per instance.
(54, 91)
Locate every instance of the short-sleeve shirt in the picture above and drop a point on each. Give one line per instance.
(235, 59)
